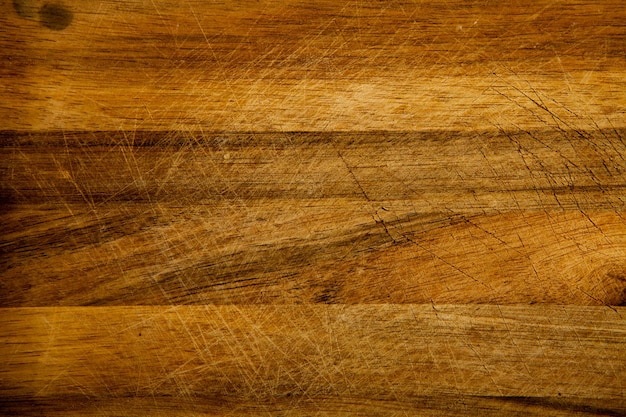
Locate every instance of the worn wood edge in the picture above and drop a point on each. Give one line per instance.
(190, 136)
(440, 405)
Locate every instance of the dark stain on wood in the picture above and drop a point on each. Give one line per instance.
(25, 8)
(55, 16)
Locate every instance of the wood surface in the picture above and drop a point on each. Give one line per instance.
(312, 208)
(314, 359)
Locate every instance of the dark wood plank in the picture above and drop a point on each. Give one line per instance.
(168, 218)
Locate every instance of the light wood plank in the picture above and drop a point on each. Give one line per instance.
(323, 65)
(301, 360)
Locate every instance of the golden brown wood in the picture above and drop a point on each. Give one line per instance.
(213, 360)
(322, 65)
(375, 208)
(148, 218)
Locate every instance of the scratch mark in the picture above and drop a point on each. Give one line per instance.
(376, 216)
(484, 365)
(456, 268)
(596, 299)
(517, 348)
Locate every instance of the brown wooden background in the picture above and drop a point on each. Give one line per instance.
(312, 208)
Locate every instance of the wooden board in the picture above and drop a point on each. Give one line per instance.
(312, 208)
(314, 359)
(370, 217)
(316, 66)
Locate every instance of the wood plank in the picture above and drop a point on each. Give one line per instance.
(323, 65)
(310, 359)
(121, 218)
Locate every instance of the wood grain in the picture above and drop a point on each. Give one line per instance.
(327, 208)
(314, 359)
(147, 218)
(325, 65)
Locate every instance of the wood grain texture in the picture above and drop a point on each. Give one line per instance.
(147, 218)
(326, 208)
(314, 359)
(323, 65)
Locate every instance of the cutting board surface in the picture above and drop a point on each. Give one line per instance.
(312, 208)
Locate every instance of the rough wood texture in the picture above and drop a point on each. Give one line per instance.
(369, 208)
(322, 65)
(315, 359)
(104, 218)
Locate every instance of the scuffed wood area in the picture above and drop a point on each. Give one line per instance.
(112, 218)
(320, 65)
(314, 359)
(320, 208)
